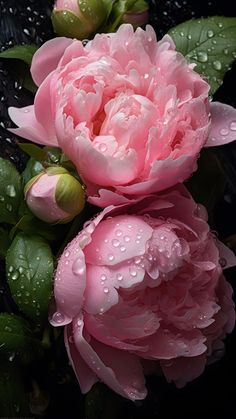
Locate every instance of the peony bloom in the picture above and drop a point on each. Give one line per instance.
(129, 111)
(55, 196)
(142, 287)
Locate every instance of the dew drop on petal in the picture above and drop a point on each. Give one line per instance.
(133, 272)
(110, 257)
(233, 126)
(224, 131)
(78, 267)
(106, 290)
(119, 277)
(103, 277)
(115, 242)
(223, 262)
(126, 239)
(122, 248)
(58, 317)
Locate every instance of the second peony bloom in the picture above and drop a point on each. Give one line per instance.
(129, 111)
(141, 289)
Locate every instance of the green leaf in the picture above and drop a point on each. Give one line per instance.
(210, 43)
(10, 192)
(29, 224)
(208, 183)
(14, 400)
(33, 150)
(29, 267)
(17, 338)
(5, 242)
(33, 168)
(20, 52)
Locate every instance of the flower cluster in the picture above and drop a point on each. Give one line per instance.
(141, 286)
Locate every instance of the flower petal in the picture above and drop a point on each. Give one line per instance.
(84, 374)
(29, 127)
(47, 58)
(223, 124)
(120, 370)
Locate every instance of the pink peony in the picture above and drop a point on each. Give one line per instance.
(142, 287)
(129, 111)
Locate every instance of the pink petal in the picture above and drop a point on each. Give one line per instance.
(43, 109)
(165, 344)
(84, 374)
(70, 281)
(119, 370)
(102, 283)
(223, 127)
(47, 58)
(182, 370)
(29, 127)
(118, 239)
(227, 257)
(109, 170)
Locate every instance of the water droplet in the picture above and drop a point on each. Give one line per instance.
(106, 290)
(118, 233)
(116, 243)
(58, 317)
(9, 207)
(11, 269)
(224, 131)
(102, 147)
(133, 272)
(122, 248)
(10, 191)
(126, 239)
(110, 257)
(103, 277)
(234, 54)
(220, 24)
(222, 262)
(119, 277)
(71, 339)
(233, 126)
(210, 33)
(217, 65)
(226, 51)
(146, 75)
(67, 254)
(78, 267)
(2, 198)
(189, 36)
(202, 56)
(79, 323)
(15, 276)
(181, 33)
(137, 260)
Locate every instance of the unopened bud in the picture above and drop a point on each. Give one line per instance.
(79, 18)
(55, 196)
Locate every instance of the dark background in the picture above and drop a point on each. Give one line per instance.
(213, 395)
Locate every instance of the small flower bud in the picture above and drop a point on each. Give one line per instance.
(79, 18)
(137, 15)
(55, 196)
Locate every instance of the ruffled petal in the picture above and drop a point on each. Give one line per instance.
(223, 124)
(118, 239)
(183, 370)
(86, 377)
(120, 370)
(29, 127)
(47, 58)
